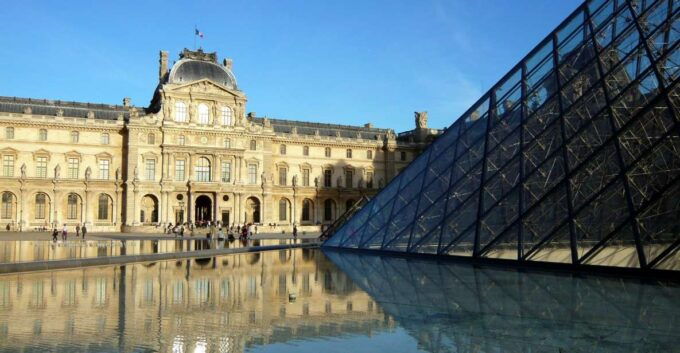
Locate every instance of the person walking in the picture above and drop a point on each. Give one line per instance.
(77, 230)
(64, 232)
(294, 231)
(55, 233)
(84, 231)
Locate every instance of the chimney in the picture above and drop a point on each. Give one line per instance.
(163, 68)
(228, 63)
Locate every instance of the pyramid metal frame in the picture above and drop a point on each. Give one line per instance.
(572, 157)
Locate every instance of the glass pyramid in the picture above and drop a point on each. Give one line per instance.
(572, 157)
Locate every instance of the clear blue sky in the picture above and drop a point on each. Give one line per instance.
(347, 62)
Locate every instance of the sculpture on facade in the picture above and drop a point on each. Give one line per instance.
(136, 174)
(295, 178)
(57, 171)
(316, 182)
(88, 174)
(117, 173)
(421, 120)
(23, 171)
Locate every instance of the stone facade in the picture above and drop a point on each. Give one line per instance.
(192, 154)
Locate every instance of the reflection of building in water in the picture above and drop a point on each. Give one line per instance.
(225, 304)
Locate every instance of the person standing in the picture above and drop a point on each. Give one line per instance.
(77, 230)
(55, 233)
(64, 232)
(84, 231)
(294, 231)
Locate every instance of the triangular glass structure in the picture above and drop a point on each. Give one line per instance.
(573, 157)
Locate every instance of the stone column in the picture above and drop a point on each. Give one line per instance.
(88, 216)
(135, 202)
(215, 177)
(215, 208)
(190, 207)
(161, 208)
(116, 207)
(23, 212)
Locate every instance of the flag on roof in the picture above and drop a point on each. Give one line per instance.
(199, 33)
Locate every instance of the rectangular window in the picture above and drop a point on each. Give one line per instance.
(369, 180)
(226, 172)
(104, 169)
(349, 153)
(403, 156)
(42, 136)
(369, 154)
(349, 175)
(73, 166)
(327, 178)
(305, 177)
(150, 169)
(40, 206)
(105, 139)
(283, 175)
(9, 133)
(179, 169)
(75, 136)
(327, 152)
(252, 173)
(8, 166)
(305, 150)
(41, 167)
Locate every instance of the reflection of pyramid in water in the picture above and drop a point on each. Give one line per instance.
(573, 157)
(454, 307)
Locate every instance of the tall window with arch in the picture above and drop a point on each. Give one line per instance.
(349, 178)
(305, 150)
(72, 206)
(327, 152)
(203, 114)
(282, 149)
(151, 139)
(202, 169)
(253, 145)
(307, 210)
(6, 212)
(150, 165)
(283, 210)
(328, 207)
(40, 206)
(180, 112)
(42, 135)
(227, 114)
(103, 207)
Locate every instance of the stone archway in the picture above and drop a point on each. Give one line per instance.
(203, 208)
(252, 210)
(149, 210)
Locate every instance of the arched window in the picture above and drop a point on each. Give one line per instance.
(203, 169)
(103, 209)
(327, 151)
(40, 205)
(181, 140)
(151, 139)
(42, 136)
(305, 150)
(328, 208)
(253, 145)
(72, 206)
(307, 210)
(180, 112)
(203, 114)
(282, 149)
(283, 210)
(7, 205)
(349, 153)
(226, 116)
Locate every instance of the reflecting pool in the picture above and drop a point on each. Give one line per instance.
(44, 250)
(302, 300)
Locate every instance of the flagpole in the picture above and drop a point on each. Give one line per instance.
(195, 29)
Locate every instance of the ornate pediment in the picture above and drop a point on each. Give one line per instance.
(104, 155)
(205, 86)
(72, 154)
(9, 150)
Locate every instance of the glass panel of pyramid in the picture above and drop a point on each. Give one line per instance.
(572, 157)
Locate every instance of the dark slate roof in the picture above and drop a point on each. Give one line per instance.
(308, 128)
(187, 70)
(70, 109)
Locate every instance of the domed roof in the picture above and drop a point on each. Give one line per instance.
(193, 68)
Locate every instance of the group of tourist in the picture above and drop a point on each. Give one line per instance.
(215, 229)
(64, 232)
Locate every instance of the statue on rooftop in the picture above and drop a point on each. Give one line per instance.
(421, 120)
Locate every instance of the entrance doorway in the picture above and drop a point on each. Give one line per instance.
(225, 218)
(203, 208)
(252, 210)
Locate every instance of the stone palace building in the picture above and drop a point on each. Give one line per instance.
(193, 154)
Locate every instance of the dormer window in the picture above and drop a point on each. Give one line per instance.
(227, 116)
(253, 145)
(180, 112)
(203, 114)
